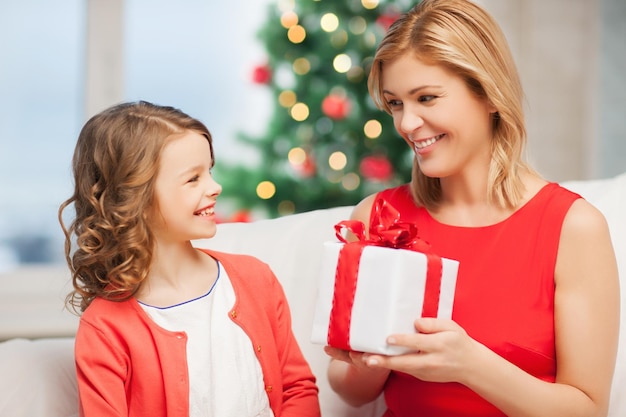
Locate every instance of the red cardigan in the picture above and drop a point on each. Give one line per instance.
(129, 366)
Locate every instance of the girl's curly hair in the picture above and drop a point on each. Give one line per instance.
(108, 244)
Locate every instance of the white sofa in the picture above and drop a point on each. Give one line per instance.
(36, 363)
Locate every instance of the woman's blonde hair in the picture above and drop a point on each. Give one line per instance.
(465, 39)
(115, 163)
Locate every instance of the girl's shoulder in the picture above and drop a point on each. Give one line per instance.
(108, 316)
(243, 268)
(236, 260)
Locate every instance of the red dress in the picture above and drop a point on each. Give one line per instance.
(504, 296)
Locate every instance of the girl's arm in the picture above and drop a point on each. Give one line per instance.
(100, 374)
(300, 391)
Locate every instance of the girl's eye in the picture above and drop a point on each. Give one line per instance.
(194, 178)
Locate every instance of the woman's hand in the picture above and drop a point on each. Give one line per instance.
(441, 351)
(348, 356)
(351, 377)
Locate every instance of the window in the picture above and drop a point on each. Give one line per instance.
(40, 114)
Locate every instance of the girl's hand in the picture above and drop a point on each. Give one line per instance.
(440, 352)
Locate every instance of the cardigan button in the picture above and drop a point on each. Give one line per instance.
(258, 348)
(268, 388)
(233, 314)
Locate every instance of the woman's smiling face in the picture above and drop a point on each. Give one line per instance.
(435, 112)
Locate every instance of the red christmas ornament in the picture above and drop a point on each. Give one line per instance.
(262, 74)
(335, 106)
(376, 168)
(307, 168)
(385, 20)
(241, 216)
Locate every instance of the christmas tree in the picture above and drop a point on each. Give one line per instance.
(326, 144)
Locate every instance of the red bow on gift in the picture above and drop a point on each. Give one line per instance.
(386, 230)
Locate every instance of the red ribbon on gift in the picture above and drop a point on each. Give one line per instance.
(388, 231)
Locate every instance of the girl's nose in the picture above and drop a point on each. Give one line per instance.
(214, 188)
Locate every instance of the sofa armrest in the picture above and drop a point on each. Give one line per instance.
(38, 378)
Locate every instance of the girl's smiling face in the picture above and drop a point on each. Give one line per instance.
(435, 112)
(185, 191)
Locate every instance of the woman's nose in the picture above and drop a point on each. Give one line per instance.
(410, 121)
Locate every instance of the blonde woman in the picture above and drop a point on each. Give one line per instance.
(534, 328)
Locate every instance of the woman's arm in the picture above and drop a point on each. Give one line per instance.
(348, 375)
(586, 327)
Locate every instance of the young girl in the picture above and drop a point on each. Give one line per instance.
(534, 328)
(167, 329)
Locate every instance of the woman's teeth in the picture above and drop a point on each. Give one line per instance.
(427, 142)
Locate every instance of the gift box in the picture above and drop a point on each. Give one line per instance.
(371, 288)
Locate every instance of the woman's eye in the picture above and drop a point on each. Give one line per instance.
(426, 99)
(393, 103)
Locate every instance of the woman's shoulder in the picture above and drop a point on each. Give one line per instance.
(394, 195)
(583, 219)
(363, 208)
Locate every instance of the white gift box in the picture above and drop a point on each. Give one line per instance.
(389, 296)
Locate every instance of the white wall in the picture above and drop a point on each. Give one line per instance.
(561, 50)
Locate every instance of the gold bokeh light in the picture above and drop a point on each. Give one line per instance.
(287, 98)
(337, 160)
(296, 34)
(329, 22)
(296, 156)
(350, 181)
(289, 19)
(370, 4)
(357, 25)
(286, 207)
(300, 112)
(372, 129)
(342, 63)
(301, 66)
(266, 190)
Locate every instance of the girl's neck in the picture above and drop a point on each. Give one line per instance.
(178, 273)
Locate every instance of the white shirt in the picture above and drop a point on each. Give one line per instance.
(225, 377)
